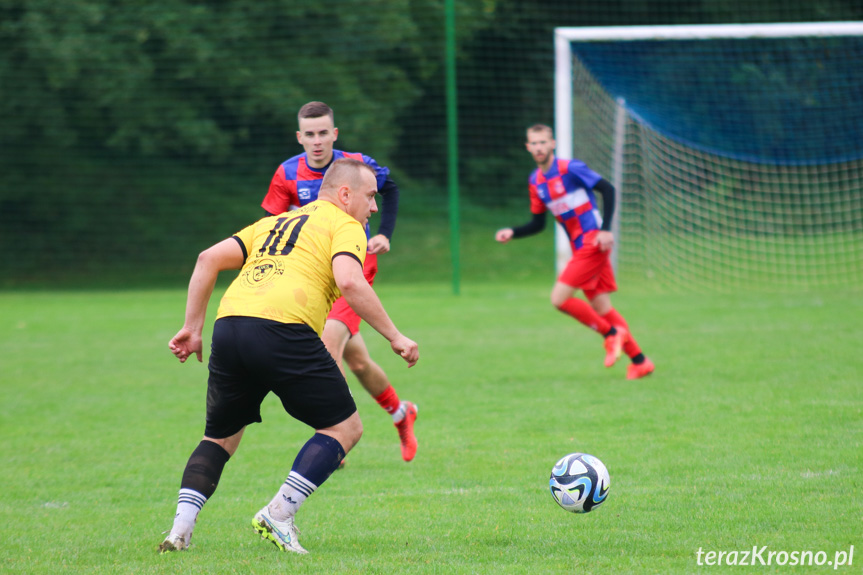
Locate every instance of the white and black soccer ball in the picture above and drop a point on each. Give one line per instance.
(579, 482)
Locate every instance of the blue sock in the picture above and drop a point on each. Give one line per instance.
(315, 462)
(318, 458)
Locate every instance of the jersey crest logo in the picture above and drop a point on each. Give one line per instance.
(304, 193)
(557, 188)
(263, 272)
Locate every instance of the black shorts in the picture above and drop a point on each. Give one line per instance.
(251, 357)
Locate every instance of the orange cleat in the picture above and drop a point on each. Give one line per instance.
(639, 370)
(614, 345)
(405, 428)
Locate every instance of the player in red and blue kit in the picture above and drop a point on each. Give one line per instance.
(296, 183)
(566, 189)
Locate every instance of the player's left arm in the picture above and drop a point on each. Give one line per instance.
(605, 239)
(348, 275)
(389, 195)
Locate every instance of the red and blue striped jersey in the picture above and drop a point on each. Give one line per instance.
(295, 183)
(566, 190)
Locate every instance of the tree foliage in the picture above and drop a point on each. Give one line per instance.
(201, 79)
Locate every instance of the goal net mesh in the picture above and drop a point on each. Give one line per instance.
(742, 159)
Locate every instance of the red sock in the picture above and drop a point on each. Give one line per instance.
(389, 400)
(630, 348)
(583, 312)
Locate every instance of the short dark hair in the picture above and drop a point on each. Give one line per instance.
(315, 110)
(541, 128)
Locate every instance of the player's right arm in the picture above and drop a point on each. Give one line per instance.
(534, 226)
(348, 274)
(226, 255)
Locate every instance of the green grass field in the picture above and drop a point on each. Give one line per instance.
(749, 434)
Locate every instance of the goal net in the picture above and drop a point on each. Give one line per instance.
(736, 150)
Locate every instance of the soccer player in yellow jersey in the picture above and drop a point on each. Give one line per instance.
(266, 338)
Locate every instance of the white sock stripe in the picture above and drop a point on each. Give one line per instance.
(296, 476)
(400, 412)
(194, 502)
(299, 487)
(300, 483)
(192, 497)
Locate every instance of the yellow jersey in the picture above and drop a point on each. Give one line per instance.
(288, 274)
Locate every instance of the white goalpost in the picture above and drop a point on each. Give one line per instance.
(736, 151)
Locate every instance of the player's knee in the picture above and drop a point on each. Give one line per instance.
(355, 431)
(560, 293)
(359, 366)
(601, 309)
(601, 304)
(348, 432)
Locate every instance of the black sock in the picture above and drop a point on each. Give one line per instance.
(204, 468)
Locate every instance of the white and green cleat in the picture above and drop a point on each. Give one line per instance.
(283, 534)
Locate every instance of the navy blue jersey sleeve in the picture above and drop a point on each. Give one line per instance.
(606, 190)
(389, 195)
(534, 226)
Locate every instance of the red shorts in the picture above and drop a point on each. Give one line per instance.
(589, 270)
(342, 311)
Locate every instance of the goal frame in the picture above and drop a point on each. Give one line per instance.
(563, 95)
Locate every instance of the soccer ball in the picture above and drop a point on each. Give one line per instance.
(579, 482)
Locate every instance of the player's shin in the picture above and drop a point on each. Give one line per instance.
(585, 314)
(630, 346)
(200, 479)
(315, 462)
